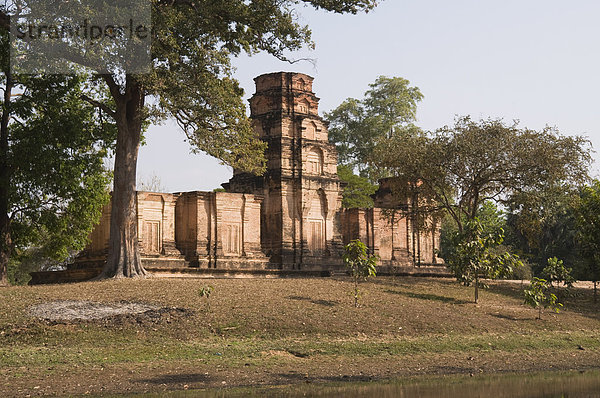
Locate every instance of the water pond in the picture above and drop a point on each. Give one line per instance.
(532, 385)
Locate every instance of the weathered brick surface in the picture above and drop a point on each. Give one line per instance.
(290, 218)
(300, 214)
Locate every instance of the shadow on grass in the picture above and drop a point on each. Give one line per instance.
(428, 296)
(508, 289)
(579, 300)
(410, 282)
(326, 303)
(508, 317)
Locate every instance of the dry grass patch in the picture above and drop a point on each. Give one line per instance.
(257, 326)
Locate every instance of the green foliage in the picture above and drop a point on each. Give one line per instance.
(467, 164)
(192, 77)
(389, 106)
(448, 231)
(59, 182)
(358, 190)
(537, 296)
(556, 271)
(54, 181)
(206, 291)
(541, 224)
(490, 217)
(35, 259)
(523, 271)
(360, 264)
(587, 214)
(222, 129)
(474, 255)
(18, 271)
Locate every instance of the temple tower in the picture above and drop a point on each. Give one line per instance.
(300, 213)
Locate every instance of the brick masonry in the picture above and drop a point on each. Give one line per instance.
(290, 218)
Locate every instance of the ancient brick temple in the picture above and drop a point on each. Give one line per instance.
(289, 219)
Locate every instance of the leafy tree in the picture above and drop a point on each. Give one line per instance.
(470, 163)
(461, 167)
(541, 224)
(523, 272)
(191, 81)
(36, 258)
(490, 217)
(360, 263)
(556, 272)
(473, 256)
(358, 190)
(588, 222)
(492, 222)
(52, 180)
(389, 106)
(537, 296)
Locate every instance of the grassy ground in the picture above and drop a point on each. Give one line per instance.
(280, 331)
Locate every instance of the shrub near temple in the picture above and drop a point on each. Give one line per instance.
(206, 291)
(360, 263)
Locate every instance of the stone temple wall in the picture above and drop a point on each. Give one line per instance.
(300, 213)
(389, 234)
(219, 230)
(198, 229)
(290, 218)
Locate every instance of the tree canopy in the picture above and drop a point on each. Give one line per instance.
(463, 168)
(357, 191)
(52, 177)
(465, 165)
(541, 224)
(587, 213)
(190, 80)
(389, 106)
(473, 255)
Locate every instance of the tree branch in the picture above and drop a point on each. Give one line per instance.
(98, 104)
(112, 85)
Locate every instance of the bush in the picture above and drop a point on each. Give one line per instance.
(360, 263)
(537, 296)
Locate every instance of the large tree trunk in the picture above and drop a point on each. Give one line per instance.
(123, 249)
(4, 252)
(5, 236)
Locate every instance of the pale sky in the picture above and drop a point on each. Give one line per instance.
(537, 61)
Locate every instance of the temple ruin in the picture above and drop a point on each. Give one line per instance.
(290, 218)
